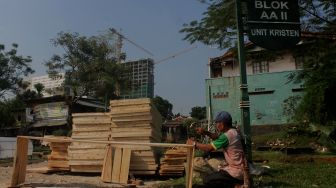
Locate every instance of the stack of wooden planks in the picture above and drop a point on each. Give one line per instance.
(88, 157)
(58, 158)
(137, 120)
(172, 164)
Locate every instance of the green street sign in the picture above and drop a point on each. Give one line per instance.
(274, 24)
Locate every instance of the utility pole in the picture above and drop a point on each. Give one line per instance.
(244, 104)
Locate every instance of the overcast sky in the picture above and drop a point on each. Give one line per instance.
(153, 24)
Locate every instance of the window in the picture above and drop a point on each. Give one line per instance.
(299, 62)
(260, 67)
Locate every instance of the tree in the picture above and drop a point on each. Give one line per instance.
(217, 27)
(12, 68)
(89, 64)
(163, 106)
(6, 108)
(319, 75)
(198, 112)
(39, 88)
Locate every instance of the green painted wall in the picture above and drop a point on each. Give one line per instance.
(267, 91)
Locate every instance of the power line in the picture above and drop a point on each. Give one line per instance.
(317, 16)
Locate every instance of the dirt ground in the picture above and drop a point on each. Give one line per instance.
(61, 179)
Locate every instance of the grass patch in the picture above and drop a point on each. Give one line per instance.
(298, 175)
(282, 175)
(178, 183)
(285, 171)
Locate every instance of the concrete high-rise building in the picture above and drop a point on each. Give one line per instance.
(52, 86)
(141, 74)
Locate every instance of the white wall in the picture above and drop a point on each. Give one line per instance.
(8, 147)
(284, 63)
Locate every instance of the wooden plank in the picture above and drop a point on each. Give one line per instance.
(20, 162)
(89, 140)
(93, 137)
(106, 175)
(87, 145)
(130, 110)
(134, 114)
(83, 157)
(91, 121)
(189, 169)
(86, 151)
(89, 114)
(91, 127)
(90, 134)
(131, 134)
(92, 168)
(130, 101)
(116, 165)
(113, 143)
(86, 162)
(58, 164)
(57, 157)
(45, 170)
(125, 165)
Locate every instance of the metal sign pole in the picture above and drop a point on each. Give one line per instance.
(244, 103)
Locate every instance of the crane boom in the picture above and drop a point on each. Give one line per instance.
(176, 54)
(114, 31)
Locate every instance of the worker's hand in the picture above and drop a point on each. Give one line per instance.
(200, 130)
(190, 141)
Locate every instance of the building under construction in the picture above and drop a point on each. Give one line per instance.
(141, 74)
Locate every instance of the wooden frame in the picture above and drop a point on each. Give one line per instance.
(21, 156)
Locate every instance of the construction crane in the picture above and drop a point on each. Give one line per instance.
(119, 44)
(175, 54)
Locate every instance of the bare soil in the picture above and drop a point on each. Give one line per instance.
(60, 179)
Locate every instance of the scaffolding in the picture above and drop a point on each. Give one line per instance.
(141, 79)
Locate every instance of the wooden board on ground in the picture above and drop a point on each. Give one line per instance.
(45, 170)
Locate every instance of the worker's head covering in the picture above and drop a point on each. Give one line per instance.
(224, 117)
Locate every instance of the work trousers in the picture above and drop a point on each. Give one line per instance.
(221, 179)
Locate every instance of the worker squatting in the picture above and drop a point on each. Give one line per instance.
(275, 32)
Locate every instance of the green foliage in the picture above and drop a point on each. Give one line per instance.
(27, 95)
(191, 124)
(290, 106)
(39, 88)
(90, 66)
(163, 106)
(12, 68)
(217, 27)
(6, 108)
(198, 112)
(318, 15)
(319, 75)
